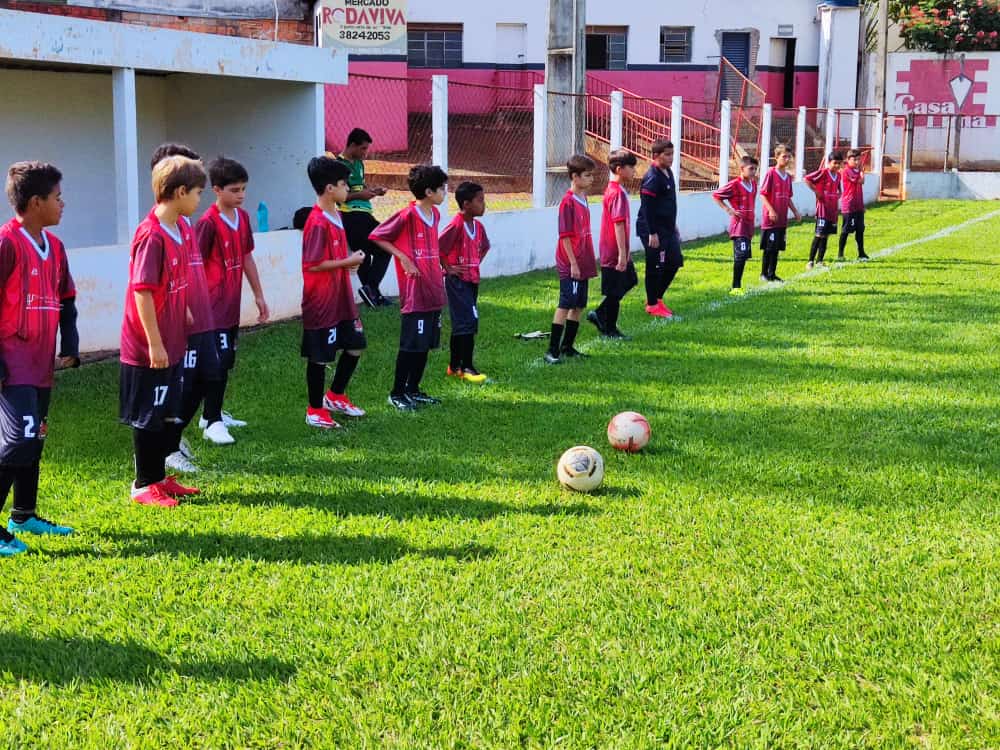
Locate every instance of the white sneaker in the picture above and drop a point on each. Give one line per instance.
(185, 449)
(227, 419)
(218, 434)
(179, 462)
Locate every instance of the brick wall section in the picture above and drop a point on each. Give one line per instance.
(295, 32)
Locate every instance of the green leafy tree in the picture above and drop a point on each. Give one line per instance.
(948, 25)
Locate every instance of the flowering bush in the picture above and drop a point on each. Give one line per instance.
(949, 25)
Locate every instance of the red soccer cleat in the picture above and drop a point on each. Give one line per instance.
(659, 310)
(153, 494)
(670, 313)
(172, 487)
(320, 418)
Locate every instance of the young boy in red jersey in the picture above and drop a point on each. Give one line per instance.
(575, 261)
(411, 237)
(330, 321)
(618, 274)
(225, 240)
(463, 245)
(742, 196)
(852, 204)
(776, 195)
(826, 183)
(154, 328)
(37, 296)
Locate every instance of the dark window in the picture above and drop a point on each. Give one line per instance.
(675, 44)
(607, 48)
(434, 47)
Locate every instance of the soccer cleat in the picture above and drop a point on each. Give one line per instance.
(38, 525)
(10, 545)
(765, 278)
(320, 418)
(422, 399)
(670, 313)
(457, 373)
(472, 375)
(340, 403)
(594, 318)
(841, 258)
(153, 494)
(616, 335)
(809, 265)
(368, 296)
(659, 310)
(552, 359)
(227, 419)
(572, 352)
(863, 257)
(402, 403)
(185, 448)
(179, 462)
(736, 291)
(777, 279)
(218, 434)
(174, 488)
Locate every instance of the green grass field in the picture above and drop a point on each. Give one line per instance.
(806, 555)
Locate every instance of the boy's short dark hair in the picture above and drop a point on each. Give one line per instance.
(223, 171)
(176, 172)
(835, 156)
(358, 137)
(171, 149)
(856, 153)
(749, 161)
(323, 171)
(26, 179)
(660, 146)
(424, 177)
(467, 191)
(621, 158)
(580, 163)
(780, 149)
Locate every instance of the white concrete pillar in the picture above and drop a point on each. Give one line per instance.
(831, 124)
(320, 115)
(839, 30)
(800, 145)
(617, 120)
(677, 135)
(765, 139)
(878, 137)
(725, 141)
(126, 139)
(439, 121)
(855, 129)
(540, 150)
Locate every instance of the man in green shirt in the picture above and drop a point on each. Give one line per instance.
(359, 221)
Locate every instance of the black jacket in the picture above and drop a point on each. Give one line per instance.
(658, 203)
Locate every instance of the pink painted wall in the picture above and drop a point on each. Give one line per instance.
(370, 104)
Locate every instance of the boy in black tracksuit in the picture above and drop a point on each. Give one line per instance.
(657, 228)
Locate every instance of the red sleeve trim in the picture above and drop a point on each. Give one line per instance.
(145, 287)
(564, 235)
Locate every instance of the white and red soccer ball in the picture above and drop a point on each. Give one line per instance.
(628, 431)
(581, 468)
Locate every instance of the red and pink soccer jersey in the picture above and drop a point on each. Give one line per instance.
(826, 185)
(853, 198)
(158, 264)
(198, 299)
(327, 296)
(574, 224)
(615, 210)
(223, 245)
(742, 197)
(777, 188)
(416, 236)
(34, 280)
(464, 247)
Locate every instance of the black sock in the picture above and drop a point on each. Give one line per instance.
(765, 264)
(813, 248)
(418, 361)
(7, 475)
(315, 375)
(470, 345)
(822, 249)
(612, 306)
(455, 354)
(738, 266)
(402, 373)
(25, 493)
(572, 326)
(667, 279)
(842, 245)
(215, 393)
(342, 375)
(653, 285)
(861, 244)
(773, 270)
(555, 338)
(149, 447)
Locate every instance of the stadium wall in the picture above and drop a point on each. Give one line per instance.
(522, 241)
(953, 185)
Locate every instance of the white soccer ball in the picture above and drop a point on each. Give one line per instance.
(628, 431)
(581, 468)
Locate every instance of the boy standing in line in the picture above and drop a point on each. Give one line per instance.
(852, 204)
(574, 260)
(656, 226)
(411, 237)
(330, 319)
(776, 195)
(464, 244)
(826, 183)
(742, 196)
(37, 297)
(225, 241)
(618, 274)
(154, 328)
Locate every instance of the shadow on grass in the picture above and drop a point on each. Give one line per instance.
(59, 661)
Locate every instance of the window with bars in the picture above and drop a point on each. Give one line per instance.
(675, 44)
(607, 48)
(434, 46)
